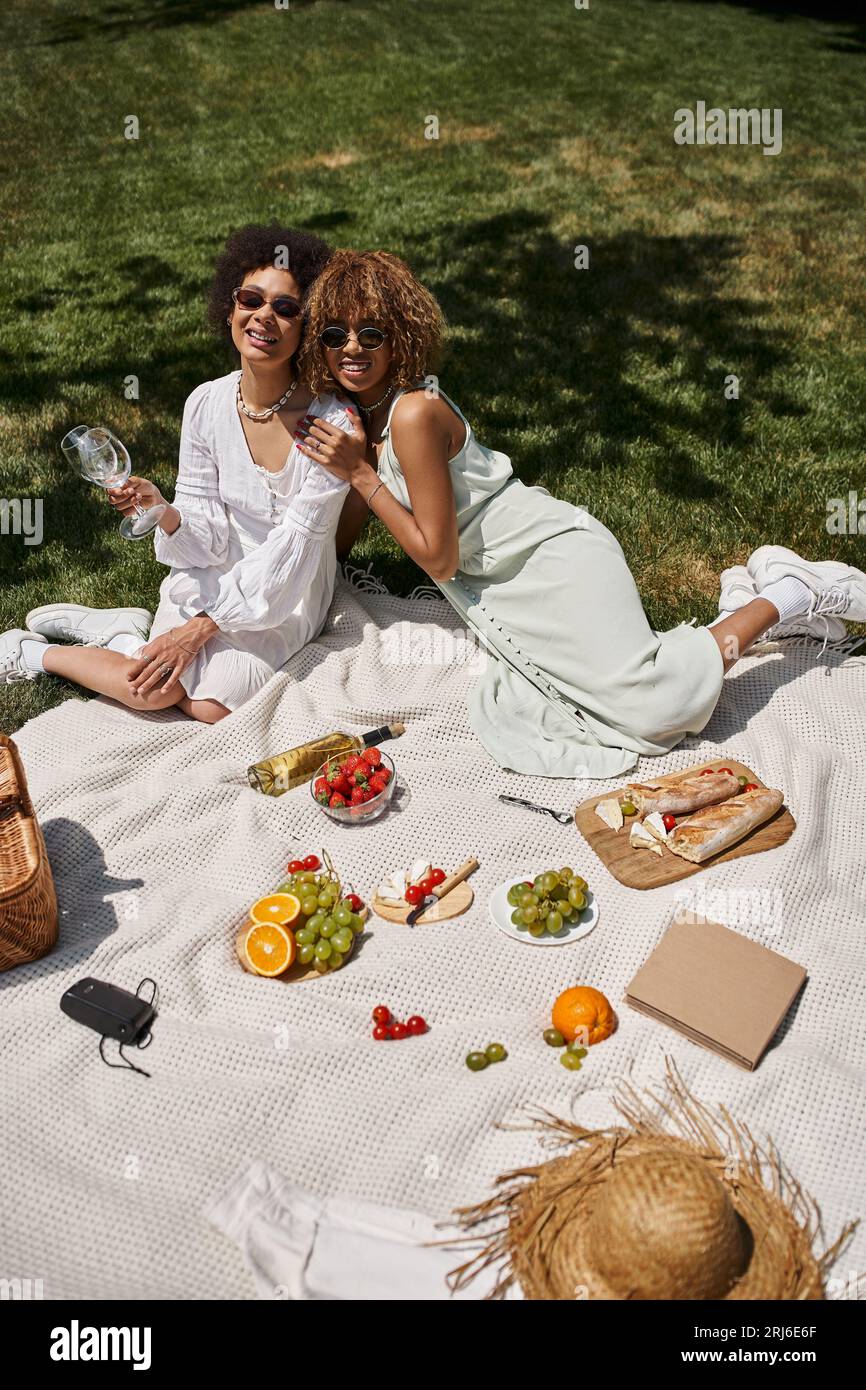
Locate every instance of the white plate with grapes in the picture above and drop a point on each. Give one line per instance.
(535, 903)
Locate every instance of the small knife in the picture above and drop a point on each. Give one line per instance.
(441, 889)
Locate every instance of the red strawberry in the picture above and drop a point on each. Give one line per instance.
(337, 800)
(322, 790)
(340, 784)
(352, 762)
(358, 796)
(372, 756)
(383, 772)
(377, 784)
(366, 794)
(361, 775)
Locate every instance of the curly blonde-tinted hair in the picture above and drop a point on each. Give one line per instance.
(373, 287)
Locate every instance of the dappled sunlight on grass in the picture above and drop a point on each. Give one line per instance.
(605, 385)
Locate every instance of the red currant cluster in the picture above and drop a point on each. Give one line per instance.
(416, 891)
(387, 1027)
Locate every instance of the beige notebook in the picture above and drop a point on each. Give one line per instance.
(718, 988)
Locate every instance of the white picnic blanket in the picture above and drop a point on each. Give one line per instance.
(159, 846)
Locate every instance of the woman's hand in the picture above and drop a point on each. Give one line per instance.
(342, 453)
(167, 657)
(135, 489)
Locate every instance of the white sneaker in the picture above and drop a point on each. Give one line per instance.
(12, 667)
(838, 589)
(738, 588)
(91, 627)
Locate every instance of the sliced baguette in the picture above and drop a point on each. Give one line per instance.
(689, 794)
(715, 828)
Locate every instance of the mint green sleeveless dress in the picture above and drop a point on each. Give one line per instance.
(577, 683)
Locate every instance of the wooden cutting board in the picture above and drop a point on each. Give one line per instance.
(458, 900)
(640, 868)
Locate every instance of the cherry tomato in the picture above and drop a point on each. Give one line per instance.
(355, 903)
(381, 1033)
(399, 1031)
(438, 876)
(727, 770)
(295, 866)
(381, 1014)
(416, 1024)
(426, 885)
(413, 894)
(708, 771)
(750, 787)
(312, 861)
(669, 821)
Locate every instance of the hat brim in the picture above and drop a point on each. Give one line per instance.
(557, 1261)
(542, 1243)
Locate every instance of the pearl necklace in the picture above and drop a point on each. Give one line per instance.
(271, 410)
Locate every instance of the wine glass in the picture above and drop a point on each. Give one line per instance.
(101, 458)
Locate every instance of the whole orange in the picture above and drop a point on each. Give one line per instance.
(584, 1013)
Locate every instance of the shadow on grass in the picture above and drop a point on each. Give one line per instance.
(136, 16)
(632, 351)
(848, 12)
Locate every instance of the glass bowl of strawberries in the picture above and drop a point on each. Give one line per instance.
(354, 787)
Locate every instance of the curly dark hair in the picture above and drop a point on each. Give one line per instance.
(253, 247)
(379, 287)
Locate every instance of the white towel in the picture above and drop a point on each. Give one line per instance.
(298, 1246)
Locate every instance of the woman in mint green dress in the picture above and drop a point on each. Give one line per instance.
(578, 684)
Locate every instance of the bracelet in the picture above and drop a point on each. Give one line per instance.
(375, 490)
(178, 644)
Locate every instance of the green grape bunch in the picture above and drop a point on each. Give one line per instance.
(325, 937)
(556, 899)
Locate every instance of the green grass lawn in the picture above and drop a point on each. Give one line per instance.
(556, 128)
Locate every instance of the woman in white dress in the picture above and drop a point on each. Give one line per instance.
(250, 536)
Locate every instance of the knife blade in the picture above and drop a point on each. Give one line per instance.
(466, 868)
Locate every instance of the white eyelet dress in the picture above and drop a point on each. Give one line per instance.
(577, 683)
(255, 550)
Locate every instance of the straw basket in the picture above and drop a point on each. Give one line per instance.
(677, 1203)
(28, 902)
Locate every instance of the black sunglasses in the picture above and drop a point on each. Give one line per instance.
(334, 337)
(283, 304)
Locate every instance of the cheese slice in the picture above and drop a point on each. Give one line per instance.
(655, 825)
(420, 869)
(644, 839)
(610, 812)
(392, 889)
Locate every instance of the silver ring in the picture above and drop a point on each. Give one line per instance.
(164, 670)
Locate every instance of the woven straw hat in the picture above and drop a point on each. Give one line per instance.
(641, 1212)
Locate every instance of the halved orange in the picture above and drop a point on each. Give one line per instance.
(283, 908)
(266, 948)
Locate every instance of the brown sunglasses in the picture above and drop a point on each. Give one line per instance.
(282, 304)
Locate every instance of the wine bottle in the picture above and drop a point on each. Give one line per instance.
(279, 774)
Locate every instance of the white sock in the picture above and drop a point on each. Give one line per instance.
(33, 653)
(124, 642)
(720, 619)
(791, 596)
